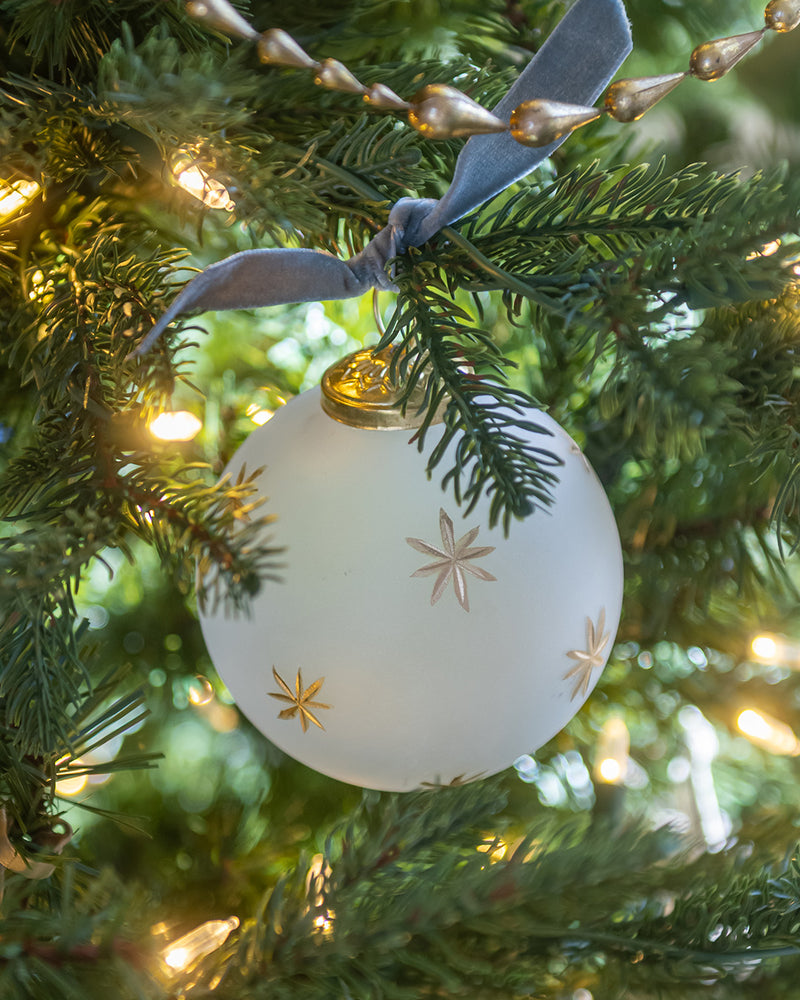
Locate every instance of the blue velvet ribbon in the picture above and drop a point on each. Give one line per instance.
(573, 66)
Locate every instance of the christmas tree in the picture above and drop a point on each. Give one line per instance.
(639, 284)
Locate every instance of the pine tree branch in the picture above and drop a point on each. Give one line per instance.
(437, 342)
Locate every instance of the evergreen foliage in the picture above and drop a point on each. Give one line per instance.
(632, 298)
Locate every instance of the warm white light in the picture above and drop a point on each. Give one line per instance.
(177, 958)
(772, 734)
(179, 425)
(200, 185)
(613, 746)
(776, 649)
(765, 648)
(202, 941)
(14, 195)
(324, 923)
(71, 786)
(610, 770)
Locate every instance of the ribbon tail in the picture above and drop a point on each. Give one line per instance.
(255, 278)
(575, 64)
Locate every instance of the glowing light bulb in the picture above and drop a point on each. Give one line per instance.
(178, 425)
(200, 185)
(765, 648)
(769, 733)
(613, 746)
(776, 649)
(202, 941)
(71, 786)
(610, 770)
(15, 195)
(324, 923)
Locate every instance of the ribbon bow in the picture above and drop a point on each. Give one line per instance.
(573, 66)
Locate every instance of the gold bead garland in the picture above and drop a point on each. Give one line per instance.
(438, 111)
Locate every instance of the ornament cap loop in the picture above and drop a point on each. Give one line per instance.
(360, 390)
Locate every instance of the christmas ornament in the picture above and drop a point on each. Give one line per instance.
(408, 645)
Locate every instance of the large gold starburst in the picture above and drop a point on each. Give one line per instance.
(591, 657)
(452, 560)
(300, 700)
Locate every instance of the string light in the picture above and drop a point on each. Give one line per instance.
(769, 733)
(200, 185)
(199, 943)
(613, 745)
(177, 425)
(324, 923)
(72, 785)
(773, 649)
(15, 195)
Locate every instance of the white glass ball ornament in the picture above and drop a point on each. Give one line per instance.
(407, 646)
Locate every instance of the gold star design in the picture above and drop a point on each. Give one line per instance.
(591, 657)
(452, 560)
(300, 701)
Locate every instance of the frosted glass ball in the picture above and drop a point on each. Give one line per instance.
(407, 645)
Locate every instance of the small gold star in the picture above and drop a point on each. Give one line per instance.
(591, 657)
(299, 701)
(452, 560)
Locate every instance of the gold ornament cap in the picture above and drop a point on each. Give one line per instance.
(359, 390)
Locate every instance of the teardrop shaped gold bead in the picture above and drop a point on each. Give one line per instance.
(782, 15)
(627, 100)
(712, 60)
(278, 48)
(441, 112)
(336, 76)
(540, 122)
(381, 96)
(221, 15)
